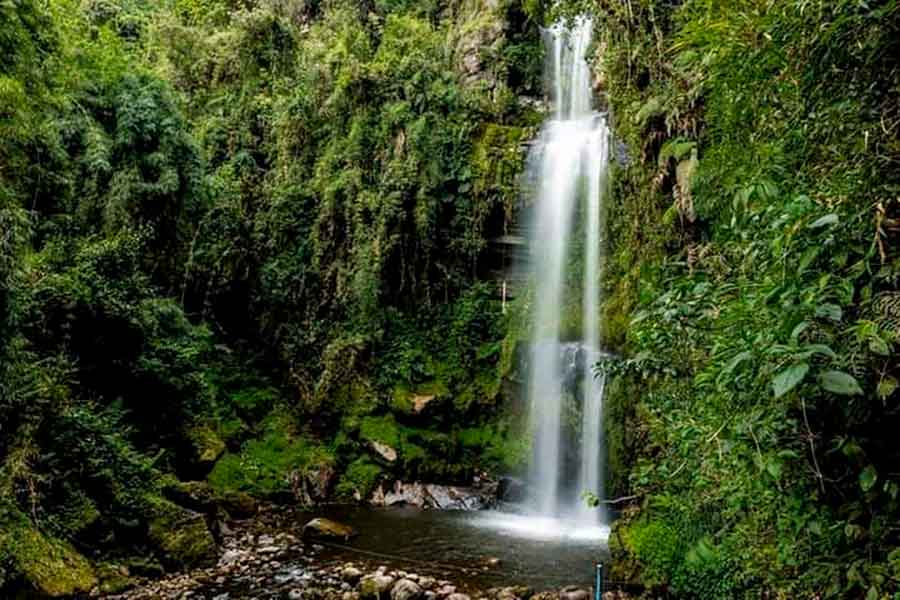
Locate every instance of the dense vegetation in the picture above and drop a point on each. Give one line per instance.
(241, 242)
(752, 284)
(244, 244)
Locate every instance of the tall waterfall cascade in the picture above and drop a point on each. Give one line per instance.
(567, 167)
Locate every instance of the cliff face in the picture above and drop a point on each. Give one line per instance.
(751, 297)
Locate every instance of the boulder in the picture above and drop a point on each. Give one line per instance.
(181, 536)
(406, 589)
(440, 497)
(238, 505)
(51, 566)
(456, 498)
(412, 494)
(207, 447)
(376, 586)
(384, 451)
(326, 528)
(194, 495)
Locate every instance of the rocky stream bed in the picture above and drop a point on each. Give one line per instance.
(269, 557)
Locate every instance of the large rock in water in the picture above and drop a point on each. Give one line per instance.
(326, 528)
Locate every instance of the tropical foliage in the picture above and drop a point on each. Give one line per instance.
(753, 295)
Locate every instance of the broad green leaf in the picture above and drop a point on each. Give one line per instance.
(800, 328)
(789, 379)
(868, 477)
(820, 349)
(829, 219)
(829, 311)
(808, 257)
(839, 382)
(879, 346)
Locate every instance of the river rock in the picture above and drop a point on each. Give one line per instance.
(513, 592)
(574, 593)
(459, 596)
(427, 582)
(406, 589)
(351, 574)
(326, 528)
(375, 586)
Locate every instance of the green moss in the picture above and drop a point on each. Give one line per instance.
(207, 444)
(113, 578)
(181, 536)
(359, 479)
(498, 446)
(380, 429)
(263, 466)
(52, 566)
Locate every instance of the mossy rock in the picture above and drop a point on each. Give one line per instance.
(194, 495)
(181, 536)
(238, 505)
(207, 446)
(51, 566)
(114, 578)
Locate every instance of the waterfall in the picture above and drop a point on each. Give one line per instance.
(568, 167)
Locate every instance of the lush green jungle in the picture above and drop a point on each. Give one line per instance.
(247, 253)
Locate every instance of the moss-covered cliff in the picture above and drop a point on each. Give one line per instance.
(752, 295)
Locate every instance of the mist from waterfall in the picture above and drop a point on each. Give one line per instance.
(568, 166)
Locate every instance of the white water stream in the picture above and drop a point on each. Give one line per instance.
(568, 164)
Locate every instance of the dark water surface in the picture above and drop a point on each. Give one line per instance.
(459, 545)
